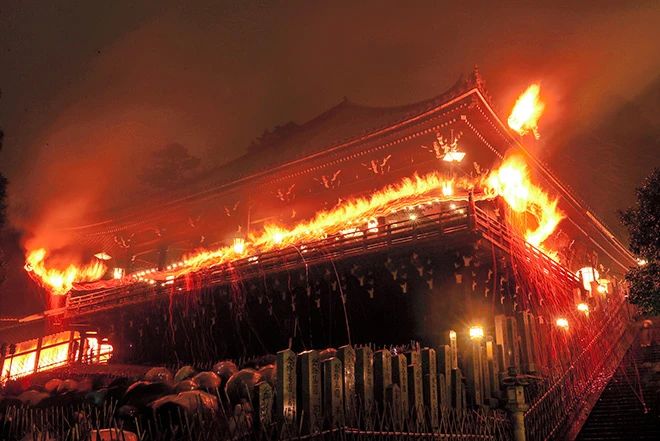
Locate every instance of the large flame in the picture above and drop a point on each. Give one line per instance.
(57, 281)
(527, 111)
(410, 191)
(511, 181)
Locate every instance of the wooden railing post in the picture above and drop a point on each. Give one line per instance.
(471, 210)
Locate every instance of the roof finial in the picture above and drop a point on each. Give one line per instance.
(477, 81)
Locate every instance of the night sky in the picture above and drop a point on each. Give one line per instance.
(90, 88)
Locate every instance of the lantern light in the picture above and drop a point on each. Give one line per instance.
(453, 156)
(588, 275)
(476, 332)
(583, 307)
(642, 262)
(562, 323)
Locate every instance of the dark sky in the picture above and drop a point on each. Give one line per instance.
(89, 88)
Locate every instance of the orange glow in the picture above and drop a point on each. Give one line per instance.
(562, 323)
(511, 181)
(409, 192)
(54, 352)
(349, 219)
(476, 332)
(239, 245)
(448, 188)
(55, 356)
(527, 111)
(588, 275)
(59, 282)
(583, 308)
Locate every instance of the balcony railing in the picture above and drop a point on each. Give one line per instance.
(448, 225)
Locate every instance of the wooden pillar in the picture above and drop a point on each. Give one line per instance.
(347, 356)
(474, 375)
(286, 387)
(37, 354)
(400, 378)
(333, 392)
(415, 386)
(309, 390)
(262, 397)
(382, 375)
(493, 367)
(364, 378)
(524, 323)
(444, 371)
(430, 384)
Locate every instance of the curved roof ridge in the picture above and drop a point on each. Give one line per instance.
(461, 85)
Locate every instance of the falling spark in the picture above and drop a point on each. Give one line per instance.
(526, 112)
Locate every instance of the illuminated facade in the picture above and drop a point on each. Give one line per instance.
(350, 156)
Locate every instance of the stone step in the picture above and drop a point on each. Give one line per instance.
(619, 414)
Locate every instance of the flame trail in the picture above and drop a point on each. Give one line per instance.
(511, 181)
(59, 282)
(410, 191)
(526, 112)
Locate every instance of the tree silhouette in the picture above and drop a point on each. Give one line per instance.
(169, 167)
(643, 223)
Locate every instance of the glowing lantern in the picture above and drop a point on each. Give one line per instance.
(453, 156)
(562, 323)
(588, 275)
(583, 308)
(476, 332)
(642, 262)
(372, 225)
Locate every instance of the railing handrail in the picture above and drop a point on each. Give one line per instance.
(334, 246)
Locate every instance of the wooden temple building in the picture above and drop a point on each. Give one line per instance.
(449, 306)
